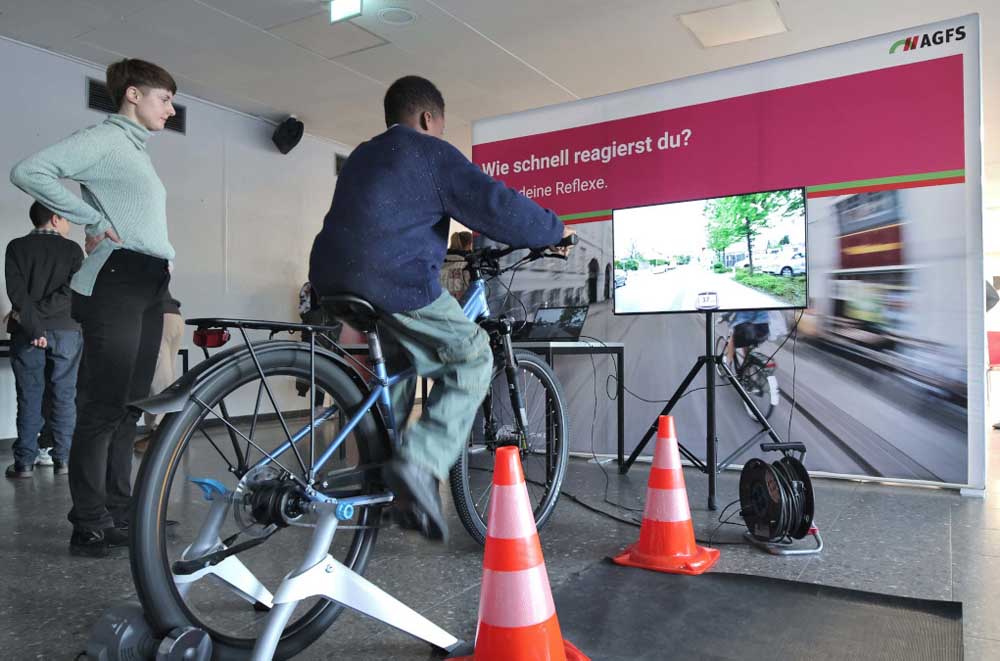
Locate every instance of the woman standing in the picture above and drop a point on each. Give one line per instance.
(117, 293)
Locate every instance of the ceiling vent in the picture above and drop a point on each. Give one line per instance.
(397, 17)
(99, 99)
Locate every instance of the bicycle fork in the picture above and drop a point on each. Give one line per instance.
(516, 396)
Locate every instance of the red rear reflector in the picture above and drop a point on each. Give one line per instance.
(771, 365)
(210, 338)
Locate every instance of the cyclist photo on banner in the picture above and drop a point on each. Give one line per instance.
(755, 371)
(750, 328)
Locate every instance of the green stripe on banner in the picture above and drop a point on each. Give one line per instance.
(585, 214)
(901, 179)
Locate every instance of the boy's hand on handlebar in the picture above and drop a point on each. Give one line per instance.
(568, 241)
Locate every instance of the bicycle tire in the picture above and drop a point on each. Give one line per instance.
(462, 492)
(756, 384)
(720, 350)
(163, 606)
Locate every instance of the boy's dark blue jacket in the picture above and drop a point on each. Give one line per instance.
(386, 233)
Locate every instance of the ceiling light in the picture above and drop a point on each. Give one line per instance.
(739, 21)
(342, 10)
(396, 16)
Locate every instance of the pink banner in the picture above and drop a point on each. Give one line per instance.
(885, 123)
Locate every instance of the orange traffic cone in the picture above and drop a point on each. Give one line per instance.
(517, 617)
(666, 539)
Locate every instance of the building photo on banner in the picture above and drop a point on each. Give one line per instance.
(688, 197)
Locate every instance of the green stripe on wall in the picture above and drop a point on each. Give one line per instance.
(901, 179)
(585, 214)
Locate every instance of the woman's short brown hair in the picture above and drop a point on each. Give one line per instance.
(137, 73)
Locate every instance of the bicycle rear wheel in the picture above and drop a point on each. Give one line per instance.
(756, 379)
(544, 447)
(232, 417)
(720, 350)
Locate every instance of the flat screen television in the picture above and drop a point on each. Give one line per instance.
(739, 252)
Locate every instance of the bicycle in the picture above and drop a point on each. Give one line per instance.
(261, 490)
(532, 416)
(754, 370)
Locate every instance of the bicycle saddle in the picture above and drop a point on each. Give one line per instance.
(355, 310)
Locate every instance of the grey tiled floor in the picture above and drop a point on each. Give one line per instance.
(906, 541)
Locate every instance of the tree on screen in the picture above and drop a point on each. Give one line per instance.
(743, 217)
(720, 229)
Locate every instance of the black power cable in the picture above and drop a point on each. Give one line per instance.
(791, 504)
(784, 522)
(793, 335)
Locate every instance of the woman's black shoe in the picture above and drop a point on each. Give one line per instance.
(97, 543)
(89, 544)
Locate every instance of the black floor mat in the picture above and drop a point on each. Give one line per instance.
(613, 612)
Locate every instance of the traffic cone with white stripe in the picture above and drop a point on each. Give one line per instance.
(517, 617)
(666, 539)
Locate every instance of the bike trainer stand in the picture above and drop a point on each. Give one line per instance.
(123, 634)
(711, 466)
(320, 575)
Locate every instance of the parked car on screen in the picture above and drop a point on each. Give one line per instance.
(621, 277)
(662, 268)
(787, 264)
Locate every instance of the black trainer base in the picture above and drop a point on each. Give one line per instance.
(643, 614)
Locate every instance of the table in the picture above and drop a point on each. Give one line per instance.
(554, 348)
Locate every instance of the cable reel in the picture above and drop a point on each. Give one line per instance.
(776, 499)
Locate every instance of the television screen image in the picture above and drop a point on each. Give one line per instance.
(741, 252)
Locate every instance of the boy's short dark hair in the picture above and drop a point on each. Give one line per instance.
(137, 73)
(411, 95)
(40, 214)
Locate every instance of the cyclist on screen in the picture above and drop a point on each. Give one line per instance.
(384, 239)
(750, 329)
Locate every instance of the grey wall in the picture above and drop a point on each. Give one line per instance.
(242, 216)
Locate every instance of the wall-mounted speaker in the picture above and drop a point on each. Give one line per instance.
(288, 134)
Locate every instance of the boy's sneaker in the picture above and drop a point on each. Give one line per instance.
(18, 471)
(60, 467)
(44, 458)
(418, 502)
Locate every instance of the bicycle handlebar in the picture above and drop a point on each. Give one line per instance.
(486, 258)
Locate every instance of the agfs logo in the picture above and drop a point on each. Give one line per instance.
(930, 39)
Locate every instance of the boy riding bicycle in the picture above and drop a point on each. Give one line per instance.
(384, 239)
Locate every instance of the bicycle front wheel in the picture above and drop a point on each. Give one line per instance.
(544, 444)
(762, 387)
(242, 409)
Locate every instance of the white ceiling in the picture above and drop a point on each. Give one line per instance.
(489, 57)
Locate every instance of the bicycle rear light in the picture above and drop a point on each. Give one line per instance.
(210, 338)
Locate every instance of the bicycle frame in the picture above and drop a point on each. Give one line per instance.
(474, 305)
